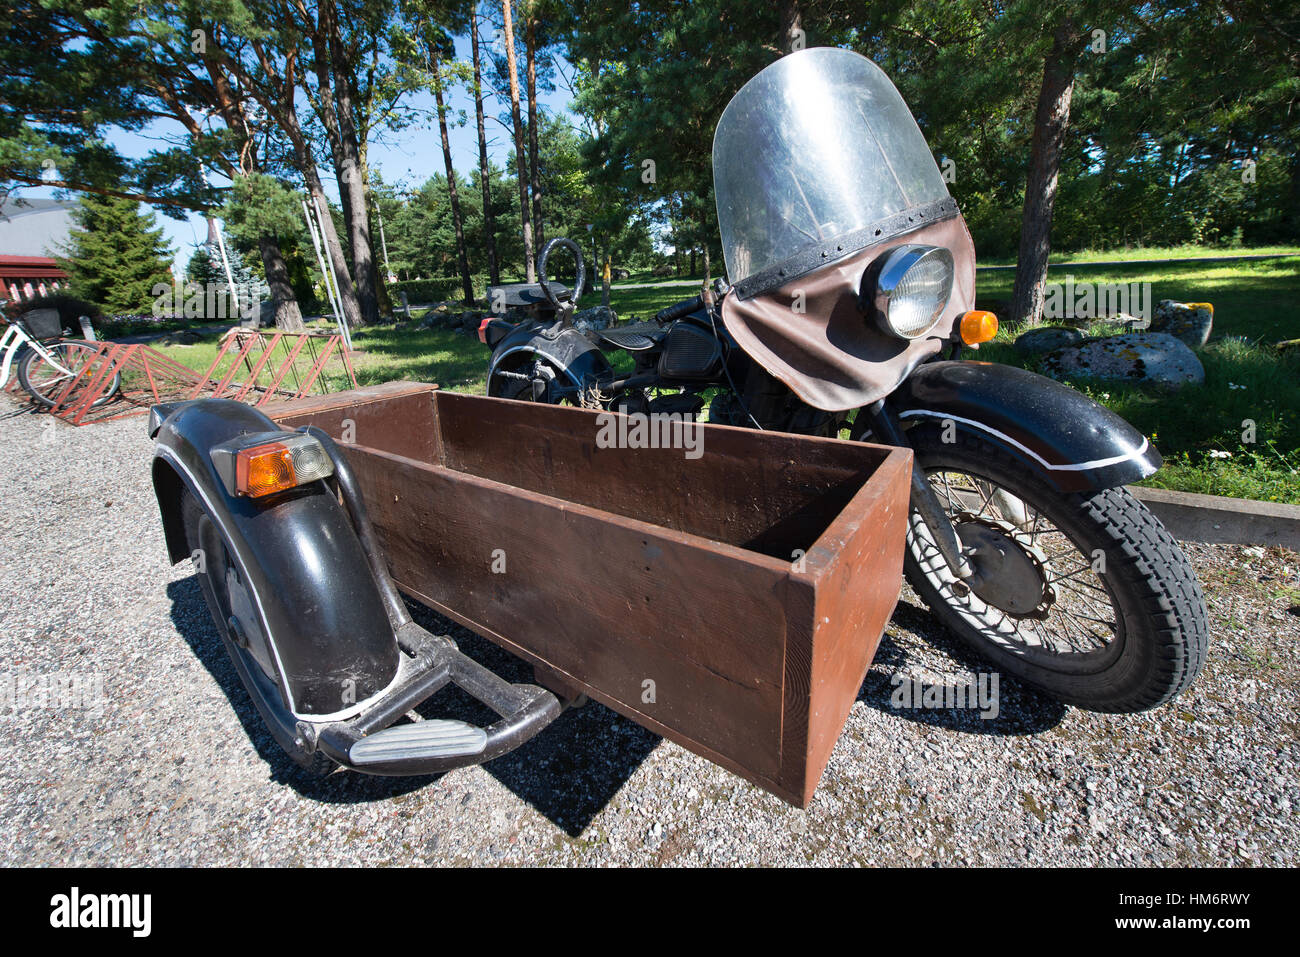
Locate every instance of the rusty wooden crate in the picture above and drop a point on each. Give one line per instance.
(731, 602)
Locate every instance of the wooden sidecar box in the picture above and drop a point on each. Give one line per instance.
(731, 601)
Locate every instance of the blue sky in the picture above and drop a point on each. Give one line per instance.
(408, 157)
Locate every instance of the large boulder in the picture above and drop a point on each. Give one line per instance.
(1189, 321)
(597, 317)
(1047, 339)
(1139, 357)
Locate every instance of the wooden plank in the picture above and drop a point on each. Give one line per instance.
(608, 600)
(858, 566)
(397, 416)
(769, 492)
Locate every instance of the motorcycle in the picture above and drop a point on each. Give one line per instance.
(850, 313)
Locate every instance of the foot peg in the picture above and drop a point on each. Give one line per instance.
(434, 738)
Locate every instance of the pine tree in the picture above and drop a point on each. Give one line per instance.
(206, 268)
(116, 255)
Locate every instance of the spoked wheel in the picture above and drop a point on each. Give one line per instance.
(47, 381)
(232, 600)
(526, 382)
(1085, 595)
(539, 381)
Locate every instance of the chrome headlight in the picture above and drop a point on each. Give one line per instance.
(911, 289)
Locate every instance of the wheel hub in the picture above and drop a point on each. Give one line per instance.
(1010, 571)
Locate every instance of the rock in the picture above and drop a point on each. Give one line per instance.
(619, 274)
(1189, 321)
(1047, 339)
(1137, 357)
(664, 270)
(597, 317)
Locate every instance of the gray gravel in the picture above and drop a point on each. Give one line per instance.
(173, 767)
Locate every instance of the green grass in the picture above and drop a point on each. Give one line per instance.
(1246, 378)
(1199, 429)
(1147, 252)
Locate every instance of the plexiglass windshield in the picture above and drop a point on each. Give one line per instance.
(817, 146)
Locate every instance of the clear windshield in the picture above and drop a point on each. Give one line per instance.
(816, 146)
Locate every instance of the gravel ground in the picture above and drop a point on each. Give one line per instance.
(172, 765)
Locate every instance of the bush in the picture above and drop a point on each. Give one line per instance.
(420, 291)
(70, 310)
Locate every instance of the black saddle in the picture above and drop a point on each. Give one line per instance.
(634, 337)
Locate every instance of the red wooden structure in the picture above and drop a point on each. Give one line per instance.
(252, 366)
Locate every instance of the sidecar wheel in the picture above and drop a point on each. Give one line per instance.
(204, 537)
(1093, 600)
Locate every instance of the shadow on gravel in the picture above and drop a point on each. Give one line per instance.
(573, 768)
(1021, 709)
(568, 773)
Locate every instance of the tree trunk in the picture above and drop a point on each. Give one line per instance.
(521, 158)
(791, 25)
(467, 285)
(604, 275)
(485, 179)
(534, 174)
(352, 181)
(306, 164)
(1050, 124)
(386, 307)
(288, 317)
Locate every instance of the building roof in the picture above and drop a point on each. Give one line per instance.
(34, 227)
(29, 268)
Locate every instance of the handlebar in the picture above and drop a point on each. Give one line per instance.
(574, 248)
(679, 309)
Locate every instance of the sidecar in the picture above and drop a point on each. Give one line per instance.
(724, 588)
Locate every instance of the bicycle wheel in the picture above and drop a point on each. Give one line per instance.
(46, 381)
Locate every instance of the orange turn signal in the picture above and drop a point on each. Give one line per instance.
(272, 467)
(264, 470)
(978, 326)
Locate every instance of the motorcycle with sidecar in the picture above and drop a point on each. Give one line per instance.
(850, 308)
(733, 600)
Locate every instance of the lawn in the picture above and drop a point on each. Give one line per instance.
(1201, 430)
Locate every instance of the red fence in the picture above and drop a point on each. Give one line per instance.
(252, 366)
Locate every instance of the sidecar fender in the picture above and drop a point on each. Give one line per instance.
(1076, 443)
(320, 609)
(569, 351)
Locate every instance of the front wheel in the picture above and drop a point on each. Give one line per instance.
(1085, 594)
(73, 370)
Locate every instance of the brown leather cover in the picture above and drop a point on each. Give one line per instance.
(831, 355)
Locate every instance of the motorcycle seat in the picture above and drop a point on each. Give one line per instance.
(634, 337)
(518, 295)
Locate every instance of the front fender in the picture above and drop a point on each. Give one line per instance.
(321, 612)
(569, 351)
(1075, 442)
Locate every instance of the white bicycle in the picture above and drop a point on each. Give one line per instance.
(49, 367)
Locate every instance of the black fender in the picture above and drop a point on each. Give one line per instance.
(321, 611)
(572, 354)
(1076, 443)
